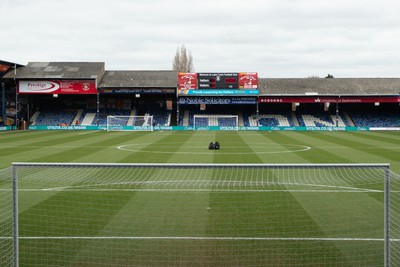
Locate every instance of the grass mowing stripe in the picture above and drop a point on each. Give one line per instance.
(232, 138)
(148, 152)
(339, 252)
(348, 214)
(270, 215)
(27, 136)
(68, 221)
(33, 142)
(365, 147)
(392, 139)
(370, 140)
(315, 155)
(194, 148)
(102, 141)
(387, 137)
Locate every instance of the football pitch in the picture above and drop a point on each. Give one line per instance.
(199, 216)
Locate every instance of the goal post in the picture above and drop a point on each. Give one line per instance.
(102, 214)
(215, 122)
(8, 236)
(130, 123)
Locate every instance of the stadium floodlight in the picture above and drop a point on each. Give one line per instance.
(99, 214)
(130, 123)
(219, 122)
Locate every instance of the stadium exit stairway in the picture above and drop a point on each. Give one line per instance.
(240, 119)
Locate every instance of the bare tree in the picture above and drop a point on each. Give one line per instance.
(183, 60)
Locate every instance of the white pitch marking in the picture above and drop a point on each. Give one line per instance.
(297, 148)
(228, 238)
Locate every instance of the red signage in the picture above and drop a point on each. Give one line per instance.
(330, 99)
(86, 87)
(248, 80)
(187, 81)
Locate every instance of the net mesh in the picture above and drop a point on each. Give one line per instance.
(204, 215)
(6, 213)
(130, 123)
(220, 122)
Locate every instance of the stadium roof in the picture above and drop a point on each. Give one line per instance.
(59, 70)
(329, 86)
(168, 79)
(5, 66)
(139, 79)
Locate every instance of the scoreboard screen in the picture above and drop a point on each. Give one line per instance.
(212, 83)
(217, 81)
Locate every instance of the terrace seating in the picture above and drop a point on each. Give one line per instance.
(55, 118)
(270, 120)
(161, 117)
(102, 118)
(319, 119)
(375, 119)
(213, 120)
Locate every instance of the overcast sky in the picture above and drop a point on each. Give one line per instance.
(276, 38)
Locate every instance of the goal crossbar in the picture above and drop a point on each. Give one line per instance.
(200, 165)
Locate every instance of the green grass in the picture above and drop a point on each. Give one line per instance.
(197, 209)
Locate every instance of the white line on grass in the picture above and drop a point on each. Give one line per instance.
(88, 132)
(229, 238)
(196, 190)
(272, 148)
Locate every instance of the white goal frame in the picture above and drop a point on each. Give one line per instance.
(223, 128)
(127, 123)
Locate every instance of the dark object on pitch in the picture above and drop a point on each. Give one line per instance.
(216, 145)
(211, 146)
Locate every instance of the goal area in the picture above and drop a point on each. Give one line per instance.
(99, 214)
(215, 122)
(130, 123)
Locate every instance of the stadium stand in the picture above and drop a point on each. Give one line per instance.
(375, 119)
(212, 120)
(102, 118)
(54, 118)
(161, 117)
(280, 102)
(319, 119)
(268, 120)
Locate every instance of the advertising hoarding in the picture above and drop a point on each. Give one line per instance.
(330, 99)
(248, 80)
(187, 81)
(208, 92)
(217, 100)
(57, 87)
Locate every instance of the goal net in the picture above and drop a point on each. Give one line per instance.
(201, 215)
(215, 122)
(6, 219)
(130, 123)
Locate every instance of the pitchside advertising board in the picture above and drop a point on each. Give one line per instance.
(330, 99)
(217, 100)
(242, 83)
(57, 87)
